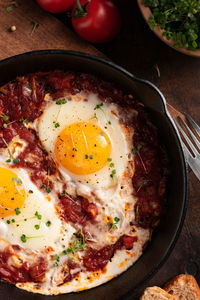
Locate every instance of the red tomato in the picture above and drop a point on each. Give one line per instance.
(96, 21)
(56, 6)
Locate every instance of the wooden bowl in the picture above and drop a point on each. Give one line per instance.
(146, 12)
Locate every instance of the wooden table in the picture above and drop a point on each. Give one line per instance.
(138, 50)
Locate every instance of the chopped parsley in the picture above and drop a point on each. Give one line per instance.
(109, 159)
(113, 225)
(8, 160)
(86, 156)
(55, 264)
(74, 149)
(37, 226)
(61, 101)
(91, 156)
(24, 120)
(8, 221)
(24, 238)
(112, 165)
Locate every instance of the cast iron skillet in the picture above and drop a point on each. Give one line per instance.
(165, 236)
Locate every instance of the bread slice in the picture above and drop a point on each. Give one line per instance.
(183, 287)
(156, 293)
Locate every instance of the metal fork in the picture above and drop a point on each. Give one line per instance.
(193, 158)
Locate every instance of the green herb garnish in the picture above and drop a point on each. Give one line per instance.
(16, 160)
(48, 223)
(37, 215)
(17, 211)
(37, 226)
(136, 150)
(180, 21)
(78, 243)
(61, 101)
(57, 125)
(113, 225)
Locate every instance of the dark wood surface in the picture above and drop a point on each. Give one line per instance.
(138, 50)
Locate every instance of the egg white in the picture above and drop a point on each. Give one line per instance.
(81, 109)
(56, 235)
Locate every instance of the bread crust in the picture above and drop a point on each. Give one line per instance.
(156, 290)
(181, 281)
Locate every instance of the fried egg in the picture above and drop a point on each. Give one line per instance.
(85, 138)
(27, 215)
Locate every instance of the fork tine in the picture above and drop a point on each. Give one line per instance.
(190, 132)
(193, 123)
(187, 139)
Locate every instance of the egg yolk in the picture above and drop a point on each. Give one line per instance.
(12, 193)
(82, 148)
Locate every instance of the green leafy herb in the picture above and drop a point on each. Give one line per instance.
(17, 180)
(37, 226)
(48, 223)
(16, 160)
(179, 20)
(136, 150)
(4, 118)
(78, 243)
(55, 264)
(57, 257)
(17, 211)
(37, 215)
(57, 125)
(24, 120)
(112, 165)
(24, 238)
(8, 221)
(86, 156)
(61, 101)
(91, 156)
(109, 159)
(74, 149)
(8, 160)
(13, 220)
(63, 193)
(48, 190)
(113, 225)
